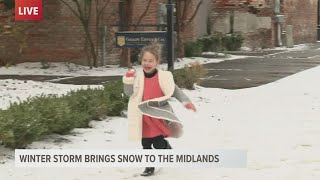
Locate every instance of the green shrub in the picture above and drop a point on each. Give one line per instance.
(211, 42)
(30, 120)
(188, 76)
(193, 48)
(206, 43)
(232, 42)
(86, 102)
(6, 130)
(116, 98)
(54, 113)
(217, 42)
(21, 124)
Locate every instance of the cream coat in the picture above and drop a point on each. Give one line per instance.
(157, 107)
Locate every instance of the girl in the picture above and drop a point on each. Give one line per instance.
(150, 117)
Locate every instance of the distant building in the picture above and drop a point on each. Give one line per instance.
(60, 36)
(258, 20)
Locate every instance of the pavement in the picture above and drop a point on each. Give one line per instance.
(259, 68)
(262, 69)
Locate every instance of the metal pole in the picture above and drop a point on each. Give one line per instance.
(121, 15)
(318, 27)
(104, 31)
(170, 42)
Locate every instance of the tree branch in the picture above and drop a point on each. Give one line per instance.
(152, 12)
(72, 10)
(101, 10)
(195, 12)
(82, 16)
(97, 6)
(145, 12)
(185, 9)
(89, 12)
(179, 13)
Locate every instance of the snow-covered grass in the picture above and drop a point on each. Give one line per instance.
(69, 69)
(278, 123)
(15, 90)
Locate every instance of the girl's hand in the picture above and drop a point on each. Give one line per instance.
(190, 106)
(131, 72)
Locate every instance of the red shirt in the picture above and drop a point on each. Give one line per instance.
(153, 127)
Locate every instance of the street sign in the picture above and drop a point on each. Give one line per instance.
(137, 39)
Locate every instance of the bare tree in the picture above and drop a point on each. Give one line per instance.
(82, 9)
(128, 19)
(99, 17)
(144, 13)
(185, 14)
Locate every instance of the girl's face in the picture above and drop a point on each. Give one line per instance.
(149, 62)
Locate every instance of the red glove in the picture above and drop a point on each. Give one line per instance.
(130, 73)
(190, 106)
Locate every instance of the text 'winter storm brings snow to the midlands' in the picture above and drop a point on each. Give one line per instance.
(130, 158)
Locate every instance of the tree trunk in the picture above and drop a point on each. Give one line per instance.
(179, 30)
(184, 19)
(87, 53)
(125, 58)
(91, 46)
(125, 53)
(180, 44)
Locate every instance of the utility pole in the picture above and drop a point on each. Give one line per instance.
(170, 40)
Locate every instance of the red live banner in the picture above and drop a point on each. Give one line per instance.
(29, 10)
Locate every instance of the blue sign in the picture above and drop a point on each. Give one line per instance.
(136, 39)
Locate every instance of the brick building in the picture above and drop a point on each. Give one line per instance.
(60, 36)
(255, 19)
(303, 16)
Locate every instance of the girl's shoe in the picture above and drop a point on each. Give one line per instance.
(148, 171)
(168, 146)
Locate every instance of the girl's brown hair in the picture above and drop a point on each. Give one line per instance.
(154, 49)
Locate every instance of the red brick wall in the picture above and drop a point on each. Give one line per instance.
(258, 7)
(8, 45)
(60, 35)
(189, 32)
(263, 37)
(150, 17)
(302, 15)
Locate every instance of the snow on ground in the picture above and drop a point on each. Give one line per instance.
(278, 123)
(69, 69)
(297, 47)
(15, 90)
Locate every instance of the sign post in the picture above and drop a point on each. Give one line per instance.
(170, 45)
(139, 39)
